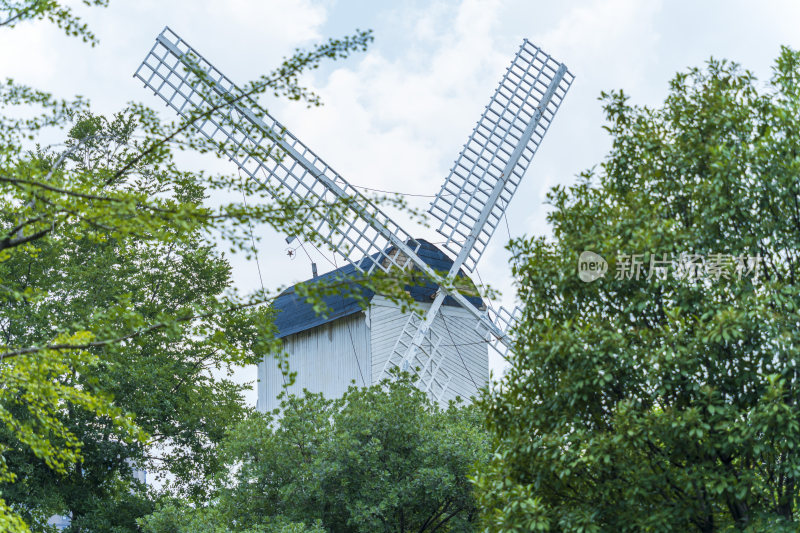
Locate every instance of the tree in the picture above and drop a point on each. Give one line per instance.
(163, 378)
(109, 284)
(382, 458)
(667, 402)
(177, 518)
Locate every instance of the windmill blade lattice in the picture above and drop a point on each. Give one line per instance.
(507, 321)
(427, 360)
(268, 153)
(488, 170)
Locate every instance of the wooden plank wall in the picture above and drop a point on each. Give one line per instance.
(326, 359)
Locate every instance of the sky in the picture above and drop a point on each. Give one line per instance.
(396, 116)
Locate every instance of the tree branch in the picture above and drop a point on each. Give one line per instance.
(21, 13)
(133, 334)
(8, 242)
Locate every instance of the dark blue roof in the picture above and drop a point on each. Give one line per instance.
(296, 315)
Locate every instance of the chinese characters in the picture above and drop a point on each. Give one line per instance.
(687, 266)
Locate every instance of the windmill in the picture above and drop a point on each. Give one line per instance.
(468, 207)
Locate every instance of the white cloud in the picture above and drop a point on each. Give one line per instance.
(393, 123)
(289, 21)
(611, 40)
(248, 36)
(396, 117)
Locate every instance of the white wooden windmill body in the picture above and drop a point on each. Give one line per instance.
(352, 344)
(469, 206)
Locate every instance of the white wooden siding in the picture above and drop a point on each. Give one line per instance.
(326, 359)
(466, 354)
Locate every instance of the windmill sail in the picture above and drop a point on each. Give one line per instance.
(428, 359)
(268, 153)
(488, 170)
(507, 321)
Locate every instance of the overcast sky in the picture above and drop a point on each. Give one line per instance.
(396, 116)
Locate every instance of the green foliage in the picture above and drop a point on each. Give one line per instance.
(378, 459)
(174, 517)
(662, 404)
(12, 12)
(115, 307)
(162, 377)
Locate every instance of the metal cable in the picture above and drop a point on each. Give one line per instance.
(258, 267)
(355, 352)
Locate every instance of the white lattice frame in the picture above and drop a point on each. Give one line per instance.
(488, 170)
(176, 82)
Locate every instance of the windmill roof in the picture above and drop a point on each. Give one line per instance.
(295, 314)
